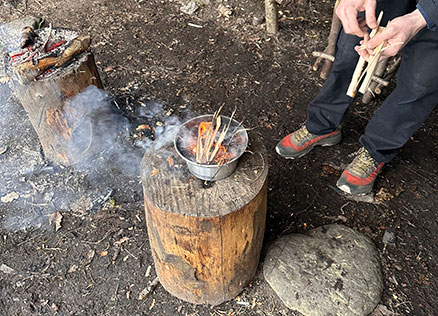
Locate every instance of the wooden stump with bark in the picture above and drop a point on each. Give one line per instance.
(44, 85)
(205, 238)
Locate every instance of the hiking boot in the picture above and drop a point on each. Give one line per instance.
(301, 141)
(359, 176)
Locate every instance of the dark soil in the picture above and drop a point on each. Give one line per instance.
(147, 49)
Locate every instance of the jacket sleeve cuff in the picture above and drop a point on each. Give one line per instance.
(429, 10)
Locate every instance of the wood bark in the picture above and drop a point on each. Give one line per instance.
(45, 103)
(271, 16)
(330, 49)
(369, 95)
(206, 241)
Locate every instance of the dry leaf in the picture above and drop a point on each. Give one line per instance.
(55, 218)
(154, 172)
(104, 253)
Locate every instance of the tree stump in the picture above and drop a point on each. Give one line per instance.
(44, 97)
(205, 238)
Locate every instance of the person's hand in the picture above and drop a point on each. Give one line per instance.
(397, 34)
(347, 11)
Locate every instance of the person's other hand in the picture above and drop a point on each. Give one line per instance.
(397, 34)
(347, 11)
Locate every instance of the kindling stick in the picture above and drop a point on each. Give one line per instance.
(357, 75)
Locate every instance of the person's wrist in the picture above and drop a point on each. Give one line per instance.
(418, 21)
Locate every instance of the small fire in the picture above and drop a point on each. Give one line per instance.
(206, 140)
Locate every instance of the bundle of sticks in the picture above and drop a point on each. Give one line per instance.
(44, 49)
(211, 138)
(368, 73)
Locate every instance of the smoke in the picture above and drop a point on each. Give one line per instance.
(106, 148)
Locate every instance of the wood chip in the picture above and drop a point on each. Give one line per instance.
(5, 269)
(170, 161)
(56, 218)
(10, 197)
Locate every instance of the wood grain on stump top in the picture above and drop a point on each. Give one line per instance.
(169, 186)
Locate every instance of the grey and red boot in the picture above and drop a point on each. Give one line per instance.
(301, 141)
(359, 176)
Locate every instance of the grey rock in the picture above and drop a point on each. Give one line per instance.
(190, 7)
(388, 238)
(333, 270)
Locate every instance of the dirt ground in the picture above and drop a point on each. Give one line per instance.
(147, 49)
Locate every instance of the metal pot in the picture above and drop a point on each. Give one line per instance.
(212, 172)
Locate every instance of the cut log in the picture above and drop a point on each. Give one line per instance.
(205, 240)
(54, 81)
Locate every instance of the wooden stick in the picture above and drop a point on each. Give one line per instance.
(213, 136)
(357, 75)
(323, 55)
(271, 16)
(199, 145)
(371, 68)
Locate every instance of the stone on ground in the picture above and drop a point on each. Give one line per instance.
(333, 270)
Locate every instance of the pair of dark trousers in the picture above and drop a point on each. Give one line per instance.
(405, 109)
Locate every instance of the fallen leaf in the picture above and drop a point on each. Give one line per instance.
(55, 218)
(109, 68)
(154, 172)
(104, 253)
(10, 197)
(5, 269)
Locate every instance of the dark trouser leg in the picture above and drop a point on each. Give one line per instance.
(410, 103)
(327, 110)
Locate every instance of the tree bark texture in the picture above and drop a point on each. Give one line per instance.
(45, 103)
(206, 241)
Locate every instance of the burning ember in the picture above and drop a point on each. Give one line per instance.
(211, 145)
(208, 148)
(214, 140)
(43, 51)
